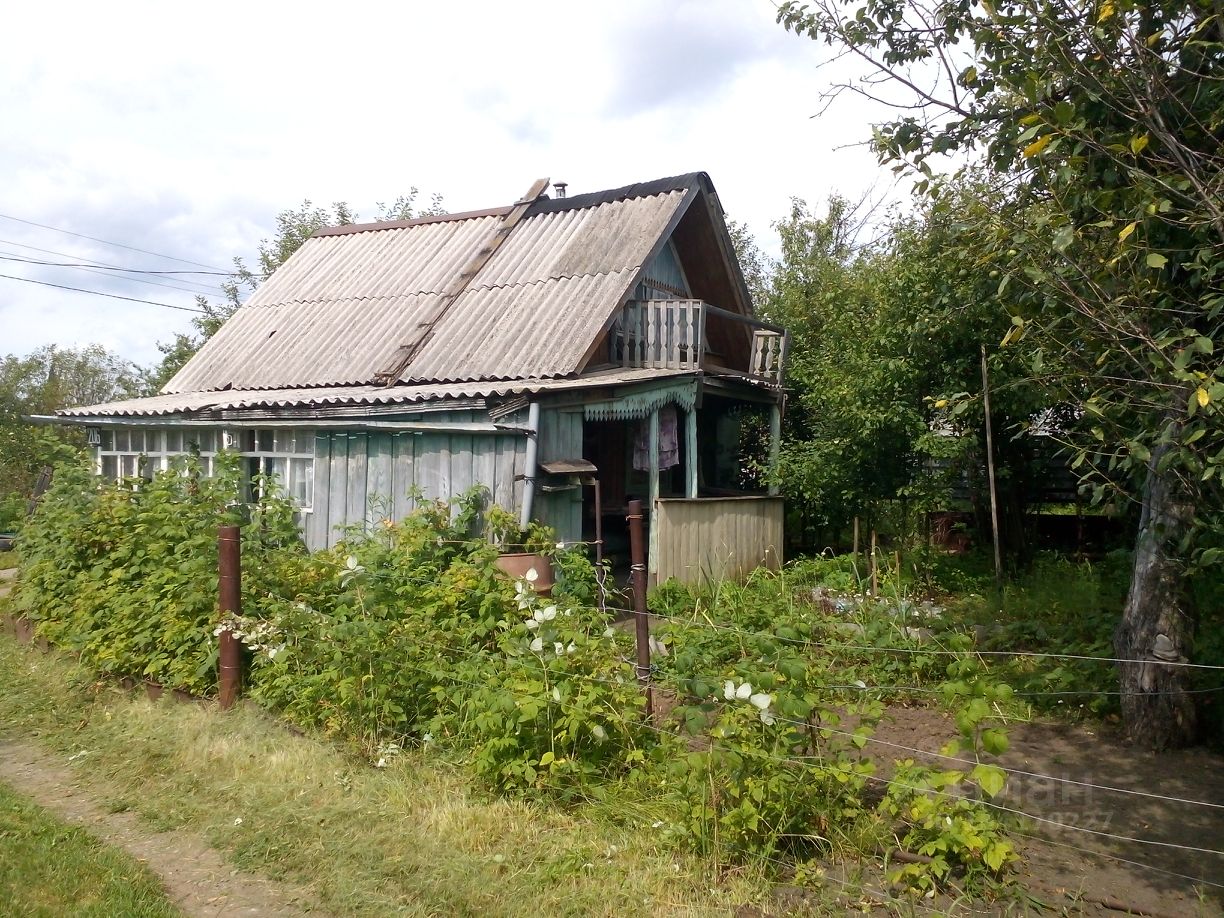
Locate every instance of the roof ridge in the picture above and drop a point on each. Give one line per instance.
(347, 228)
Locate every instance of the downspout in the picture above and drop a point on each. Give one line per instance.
(529, 471)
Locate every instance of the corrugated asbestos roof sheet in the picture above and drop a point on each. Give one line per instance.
(195, 402)
(337, 312)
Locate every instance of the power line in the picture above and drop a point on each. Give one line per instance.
(113, 296)
(98, 264)
(202, 288)
(88, 263)
(118, 245)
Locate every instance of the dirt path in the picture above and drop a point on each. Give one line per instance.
(1072, 753)
(196, 879)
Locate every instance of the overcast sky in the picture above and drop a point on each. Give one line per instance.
(183, 130)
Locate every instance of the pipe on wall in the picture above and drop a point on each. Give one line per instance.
(529, 470)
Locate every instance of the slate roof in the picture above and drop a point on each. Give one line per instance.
(340, 309)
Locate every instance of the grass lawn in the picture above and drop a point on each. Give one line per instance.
(51, 869)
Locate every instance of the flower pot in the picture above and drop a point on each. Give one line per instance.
(518, 564)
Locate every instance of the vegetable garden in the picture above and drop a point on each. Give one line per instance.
(767, 693)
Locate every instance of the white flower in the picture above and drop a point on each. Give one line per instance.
(273, 651)
(351, 563)
(860, 683)
(531, 576)
(767, 719)
(547, 614)
(609, 632)
(427, 738)
(558, 648)
(238, 821)
(761, 700)
(599, 733)
(532, 624)
(744, 692)
(537, 645)
(381, 763)
(571, 647)
(729, 690)
(657, 824)
(556, 693)
(561, 545)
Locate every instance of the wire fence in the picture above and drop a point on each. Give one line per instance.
(665, 682)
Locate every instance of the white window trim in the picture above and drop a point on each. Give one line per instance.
(159, 458)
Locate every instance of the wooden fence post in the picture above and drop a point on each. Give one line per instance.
(229, 569)
(637, 567)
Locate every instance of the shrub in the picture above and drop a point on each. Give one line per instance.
(126, 574)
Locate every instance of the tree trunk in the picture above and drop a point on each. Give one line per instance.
(1157, 623)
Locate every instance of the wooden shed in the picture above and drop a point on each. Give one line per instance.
(534, 349)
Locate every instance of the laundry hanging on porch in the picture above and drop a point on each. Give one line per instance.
(669, 442)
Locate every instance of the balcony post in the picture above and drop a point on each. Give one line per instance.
(775, 445)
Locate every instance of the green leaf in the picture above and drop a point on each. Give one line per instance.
(1156, 260)
(990, 778)
(994, 740)
(1127, 230)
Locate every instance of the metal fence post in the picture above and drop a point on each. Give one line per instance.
(637, 567)
(229, 569)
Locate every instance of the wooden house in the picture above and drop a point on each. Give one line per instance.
(538, 350)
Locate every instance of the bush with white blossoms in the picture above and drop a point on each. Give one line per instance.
(563, 707)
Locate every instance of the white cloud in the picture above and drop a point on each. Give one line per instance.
(184, 130)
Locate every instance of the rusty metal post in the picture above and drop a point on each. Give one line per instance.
(229, 568)
(637, 567)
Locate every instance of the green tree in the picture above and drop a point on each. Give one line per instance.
(1101, 125)
(293, 227)
(41, 383)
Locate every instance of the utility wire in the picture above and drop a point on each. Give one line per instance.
(118, 245)
(92, 262)
(202, 289)
(101, 265)
(113, 296)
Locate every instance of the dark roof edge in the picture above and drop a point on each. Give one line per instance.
(637, 190)
(403, 224)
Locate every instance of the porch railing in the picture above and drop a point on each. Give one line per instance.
(671, 335)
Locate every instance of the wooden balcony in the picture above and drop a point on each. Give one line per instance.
(673, 335)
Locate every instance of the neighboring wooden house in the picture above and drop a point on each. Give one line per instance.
(533, 349)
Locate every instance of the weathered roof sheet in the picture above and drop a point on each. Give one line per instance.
(354, 396)
(337, 312)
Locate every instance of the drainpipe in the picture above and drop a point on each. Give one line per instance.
(529, 472)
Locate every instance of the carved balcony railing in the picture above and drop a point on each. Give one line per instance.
(662, 334)
(672, 335)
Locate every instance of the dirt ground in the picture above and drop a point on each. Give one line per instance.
(1062, 876)
(195, 877)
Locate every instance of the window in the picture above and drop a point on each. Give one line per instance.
(126, 452)
(287, 454)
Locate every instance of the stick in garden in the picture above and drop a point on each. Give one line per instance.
(229, 569)
(875, 574)
(637, 566)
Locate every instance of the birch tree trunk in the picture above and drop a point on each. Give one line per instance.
(1157, 623)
